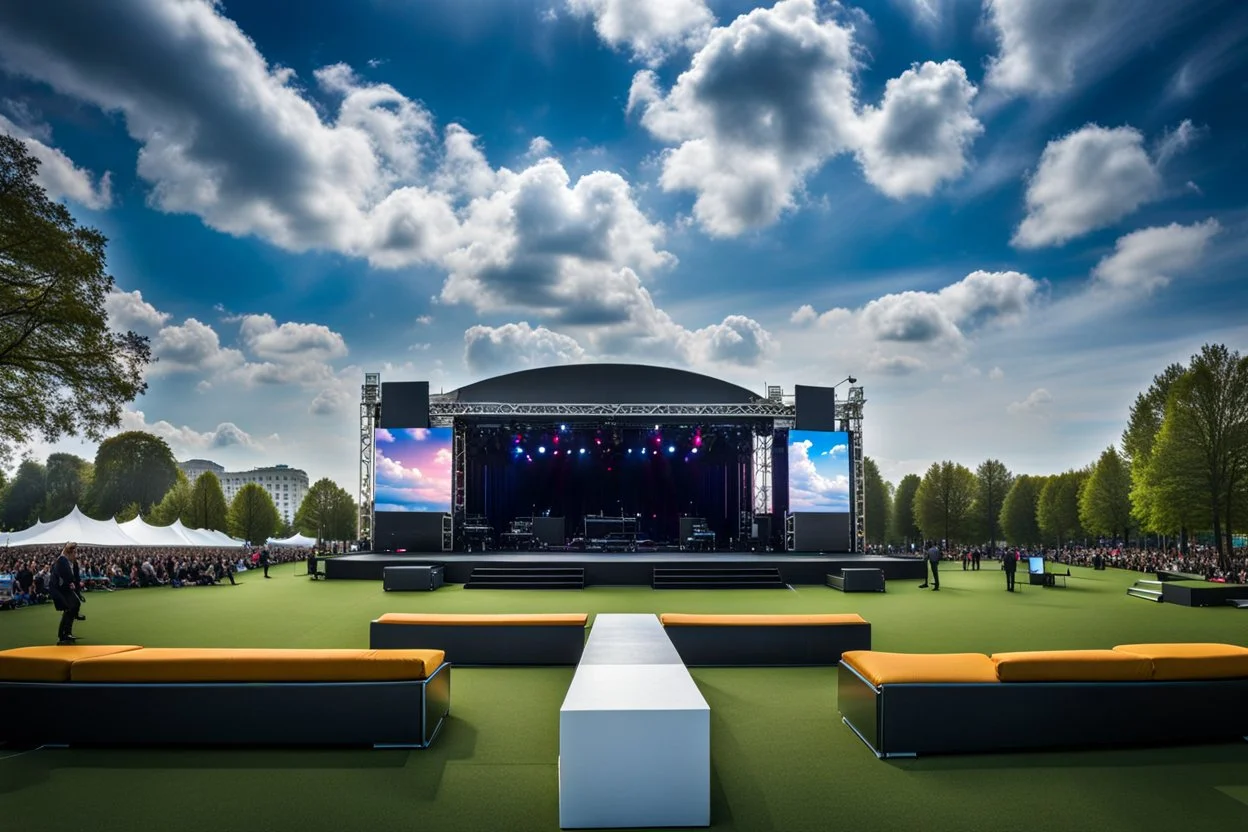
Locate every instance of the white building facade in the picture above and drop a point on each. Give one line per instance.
(287, 486)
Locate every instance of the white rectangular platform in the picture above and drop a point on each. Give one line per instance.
(634, 733)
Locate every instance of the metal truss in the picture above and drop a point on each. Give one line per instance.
(762, 472)
(459, 500)
(745, 495)
(370, 398)
(443, 412)
(849, 418)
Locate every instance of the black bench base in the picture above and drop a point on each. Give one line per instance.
(485, 645)
(400, 578)
(405, 714)
(767, 645)
(910, 719)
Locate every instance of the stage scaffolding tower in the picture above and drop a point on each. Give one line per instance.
(849, 418)
(370, 399)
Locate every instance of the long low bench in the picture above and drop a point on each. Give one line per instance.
(486, 640)
(765, 640)
(131, 695)
(907, 704)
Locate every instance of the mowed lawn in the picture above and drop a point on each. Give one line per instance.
(781, 759)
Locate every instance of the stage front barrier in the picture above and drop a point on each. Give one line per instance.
(634, 733)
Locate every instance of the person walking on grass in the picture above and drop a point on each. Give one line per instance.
(933, 558)
(64, 586)
(264, 560)
(1009, 563)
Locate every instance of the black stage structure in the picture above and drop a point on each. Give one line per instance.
(613, 467)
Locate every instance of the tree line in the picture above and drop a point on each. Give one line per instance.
(135, 474)
(1182, 469)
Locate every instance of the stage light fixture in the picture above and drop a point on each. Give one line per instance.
(671, 449)
(541, 449)
(694, 451)
(582, 450)
(563, 428)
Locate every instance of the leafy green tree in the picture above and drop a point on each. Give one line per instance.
(24, 497)
(992, 482)
(876, 499)
(253, 517)
(175, 505)
(1202, 448)
(905, 529)
(1138, 442)
(1019, 511)
(1105, 501)
(131, 467)
(942, 505)
(328, 512)
(62, 370)
(128, 513)
(1057, 509)
(208, 509)
(68, 480)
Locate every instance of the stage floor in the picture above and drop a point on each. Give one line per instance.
(625, 568)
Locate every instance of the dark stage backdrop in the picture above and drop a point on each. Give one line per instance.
(411, 531)
(657, 488)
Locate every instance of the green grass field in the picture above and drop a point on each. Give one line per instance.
(781, 759)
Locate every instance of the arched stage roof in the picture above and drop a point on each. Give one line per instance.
(604, 383)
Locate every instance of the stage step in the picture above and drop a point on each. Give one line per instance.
(1148, 590)
(720, 577)
(526, 577)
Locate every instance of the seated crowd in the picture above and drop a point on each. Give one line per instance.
(109, 568)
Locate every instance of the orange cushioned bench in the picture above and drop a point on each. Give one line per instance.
(486, 640)
(902, 704)
(126, 695)
(765, 640)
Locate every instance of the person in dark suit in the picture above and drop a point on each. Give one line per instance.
(933, 558)
(1009, 562)
(264, 560)
(64, 586)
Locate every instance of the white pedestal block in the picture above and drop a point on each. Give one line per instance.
(634, 738)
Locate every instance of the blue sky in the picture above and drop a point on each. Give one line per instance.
(1003, 217)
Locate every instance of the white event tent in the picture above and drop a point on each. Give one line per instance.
(85, 531)
(298, 540)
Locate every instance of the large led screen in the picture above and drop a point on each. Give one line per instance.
(818, 471)
(413, 470)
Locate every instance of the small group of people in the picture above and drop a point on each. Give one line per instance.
(970, 559)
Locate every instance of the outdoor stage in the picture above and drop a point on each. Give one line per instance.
(626, 569)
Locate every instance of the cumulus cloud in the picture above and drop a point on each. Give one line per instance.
(1041, 45)
(128, 310)
(265, 339)
(192, 346)
(185, 440)
(804, 316)
(331, 401)
(231, 138)
(996, 374)
(771, 97)
(516, 346)
(1147, 259)
(1176, 141)
(58, 175)
(921, 133)
(1086, 180)
(1037, 402)
(651, 29)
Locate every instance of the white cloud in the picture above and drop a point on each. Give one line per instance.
(265, 339)
(516, 346)
(331, 401)
(58, 175)
(1041, 45)
(539, 148)
(804, 316)
(128, 310)
(1145, 260)
(810, 489)
(651, 29)
(921, 133)
(424, 320)
(771, 97)
(1037, 402)
(186, 440)
(1176, 141)
(1086, 180)
(895, 365)
(192, 346)
(737, 340)
(996, 374)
